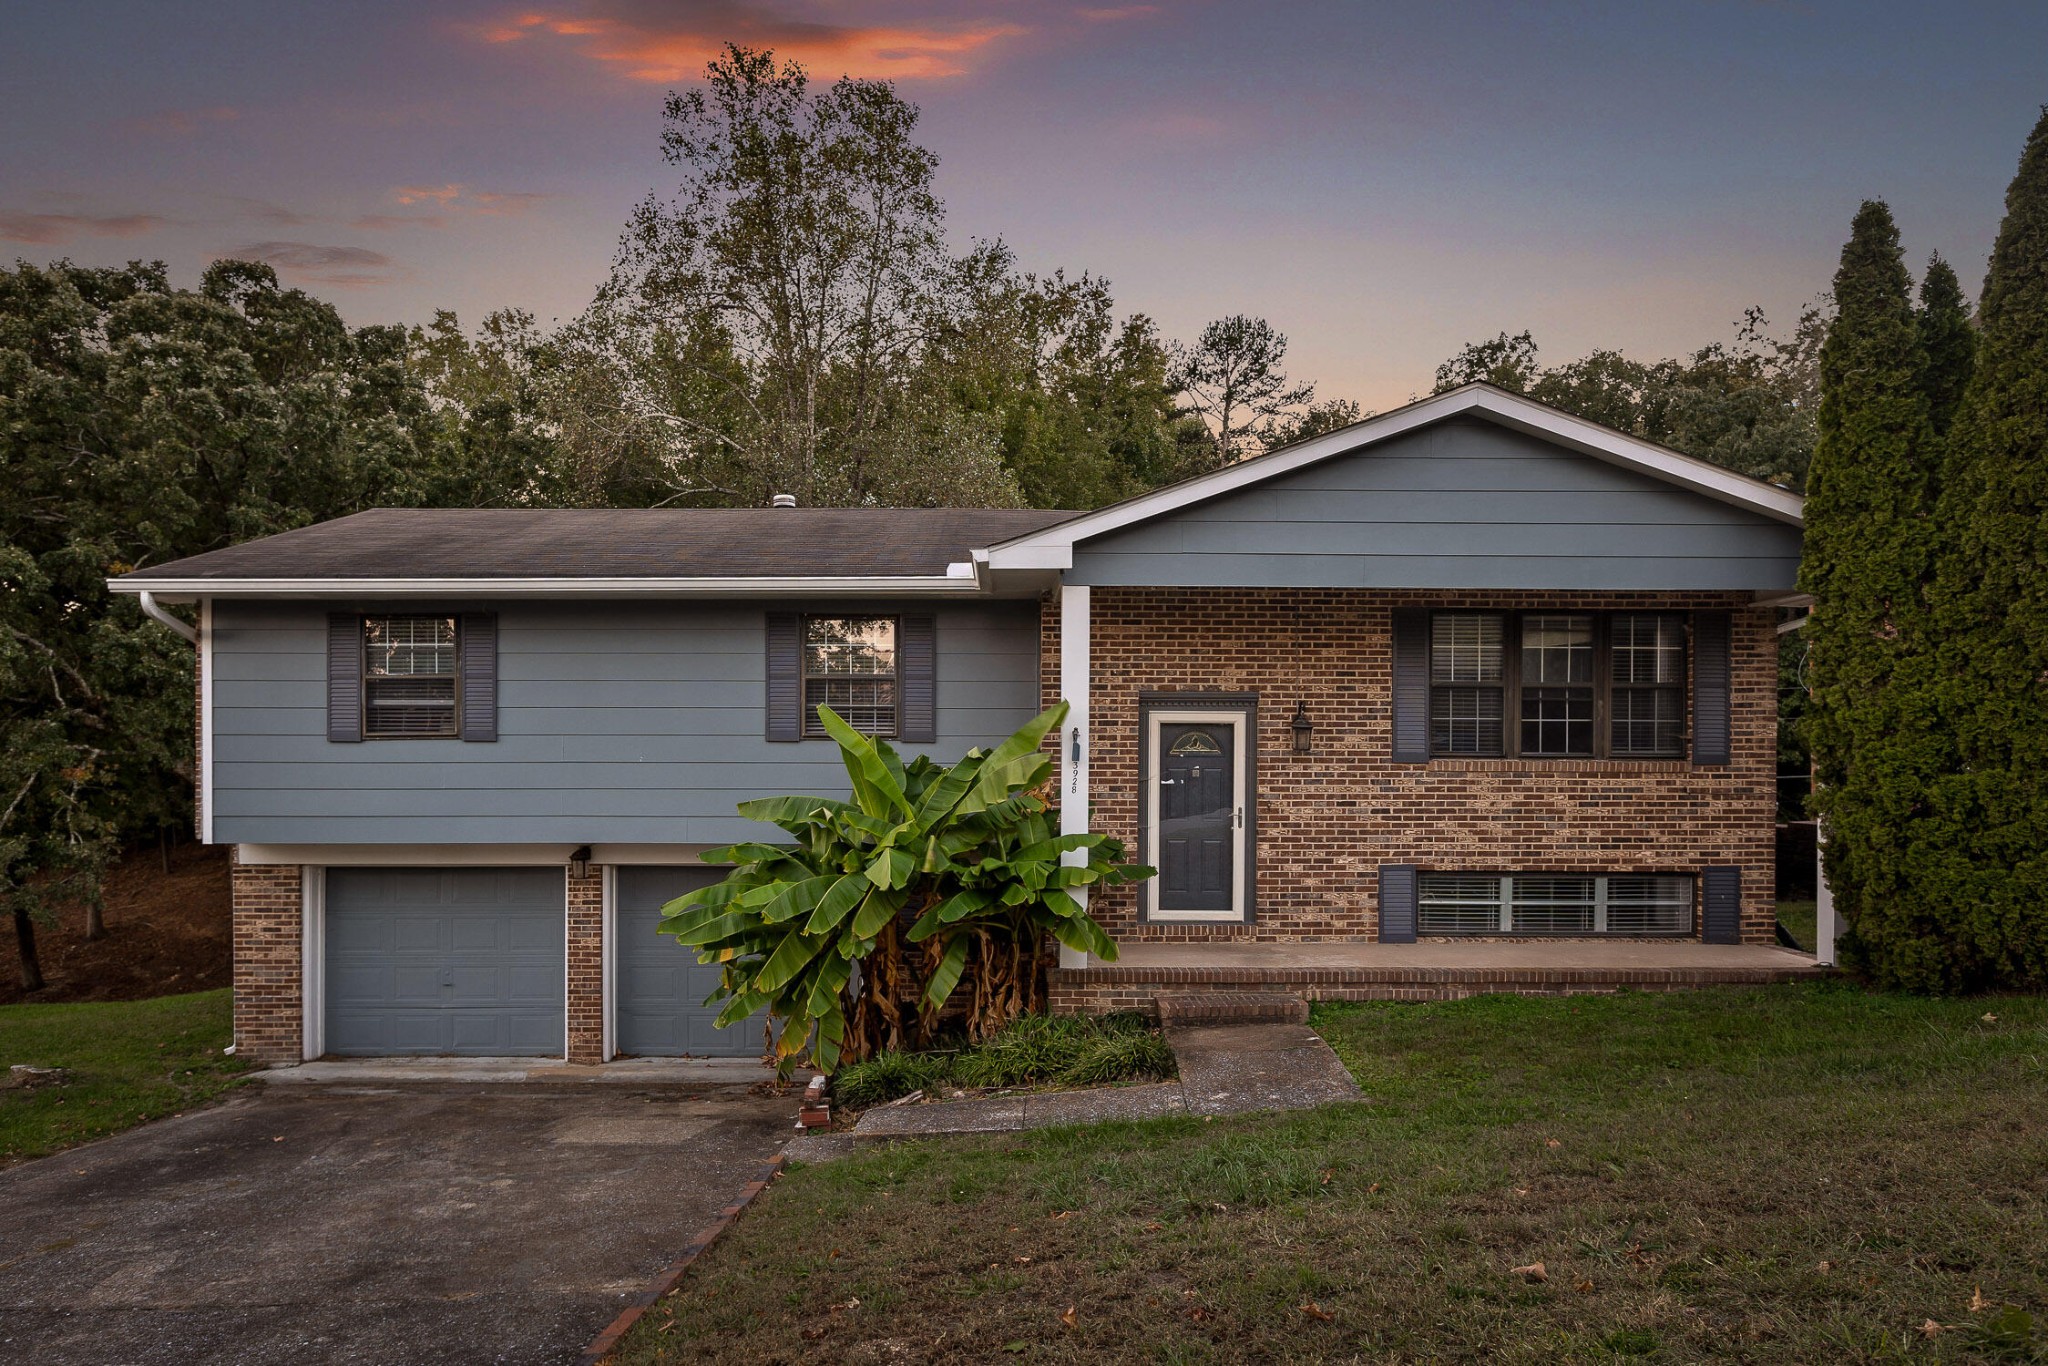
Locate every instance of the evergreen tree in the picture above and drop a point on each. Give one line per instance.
(1988, 883)
(1947, 340)
(1869, 490)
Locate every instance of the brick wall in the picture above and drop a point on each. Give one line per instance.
(268, 1005)
(1328, 820)
(586, 966)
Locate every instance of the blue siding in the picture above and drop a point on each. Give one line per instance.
(1461, 504)
(618, 722)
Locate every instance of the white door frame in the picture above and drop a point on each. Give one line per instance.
(1240, 720)
(312, 960)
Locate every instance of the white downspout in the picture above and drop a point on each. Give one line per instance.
(154, 612)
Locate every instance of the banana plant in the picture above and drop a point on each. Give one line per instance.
(857, 933)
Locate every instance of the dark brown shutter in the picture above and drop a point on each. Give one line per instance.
(1397, 903)
(785, 676)
(1710, 722)
(478, 677)
(917, 708)
(1411, 685)
(344, 678)
(1721, 905)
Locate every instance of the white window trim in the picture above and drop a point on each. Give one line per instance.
(1239, 722)
(206, 720)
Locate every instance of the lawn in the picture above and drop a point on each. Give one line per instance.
(129, 1061)
(1792, 1174)
(1798, 918)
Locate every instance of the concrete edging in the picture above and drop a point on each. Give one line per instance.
(671, 1275)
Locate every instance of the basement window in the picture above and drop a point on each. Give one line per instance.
(1564, 904)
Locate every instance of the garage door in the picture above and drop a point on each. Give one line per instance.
(660, 984)
(465, 961)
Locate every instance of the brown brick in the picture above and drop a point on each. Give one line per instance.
(268, 916)
(1328, 820)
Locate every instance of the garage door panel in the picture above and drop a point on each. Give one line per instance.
(456, 960)
(661, 986)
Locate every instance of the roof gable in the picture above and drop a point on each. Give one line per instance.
(1054, 547)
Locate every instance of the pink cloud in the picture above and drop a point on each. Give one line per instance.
(456, 197)
(670, 42)
(1120, 12)
(50, 228)
(393, 222)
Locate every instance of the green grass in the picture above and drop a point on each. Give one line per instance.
(1036, 1050)
(1797, 1174)
(129, 1061)
(1798, 919)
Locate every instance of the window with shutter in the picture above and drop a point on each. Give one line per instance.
(850, 665)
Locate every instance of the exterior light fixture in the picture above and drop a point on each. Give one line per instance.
(1301, 727)
(579, 862)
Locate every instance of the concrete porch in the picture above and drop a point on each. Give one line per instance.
(1441, 970)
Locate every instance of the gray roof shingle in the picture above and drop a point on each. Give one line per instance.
(524, 543)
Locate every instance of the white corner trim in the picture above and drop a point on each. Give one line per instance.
(904, 585)
(205, 793)
(1075, 738)
(608, 954)
(1043, 549)
(312, 960)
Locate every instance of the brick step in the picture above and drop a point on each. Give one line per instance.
(1230, 1007)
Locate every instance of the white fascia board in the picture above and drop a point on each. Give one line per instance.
(1043, 549)
(918, 585)
(408, 855)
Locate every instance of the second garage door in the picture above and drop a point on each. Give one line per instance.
(661, 985)
(464, 961)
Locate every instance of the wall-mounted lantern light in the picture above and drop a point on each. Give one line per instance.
(579, 862)
(1301, 727)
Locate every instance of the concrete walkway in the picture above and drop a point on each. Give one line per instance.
(1225, 1069)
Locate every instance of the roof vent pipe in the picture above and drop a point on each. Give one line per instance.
(782, 500)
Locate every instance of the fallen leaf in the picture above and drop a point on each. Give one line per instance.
(1315, 1311)
(1929, 1328)
(1069, 1317)
(1373, 1189)
(853, 1303)
(1154, 1226)
(1022, 1260)
(808, 1335)
(1198, 1314)
(1329, 1175)
(834, 1254)
(1552, 1143)
(1978, 1304)
(1584, 1285)
(1533, 1271)
(1521, 1190)
(278, 1139)
(1826, 1267)
(1989, 1018)
(1064, 1214)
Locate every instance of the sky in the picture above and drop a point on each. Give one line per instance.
(1383, 182)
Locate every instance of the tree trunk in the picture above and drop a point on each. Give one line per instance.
(25, 938)
(163, 842)
(95, 919)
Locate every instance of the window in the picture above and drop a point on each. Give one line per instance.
(1574, 685)
(1554, 903)
(850, 666)
(409, 677)
(1466, 673)
(1647, 671)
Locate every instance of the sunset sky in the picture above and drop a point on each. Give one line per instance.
(1383, 182)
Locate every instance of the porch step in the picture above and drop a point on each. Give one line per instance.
(1231, 1007)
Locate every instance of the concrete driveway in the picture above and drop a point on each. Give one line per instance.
(339, 1223)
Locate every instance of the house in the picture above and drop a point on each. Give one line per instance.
(1471, 673)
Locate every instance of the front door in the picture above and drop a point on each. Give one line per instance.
(1196, 799)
